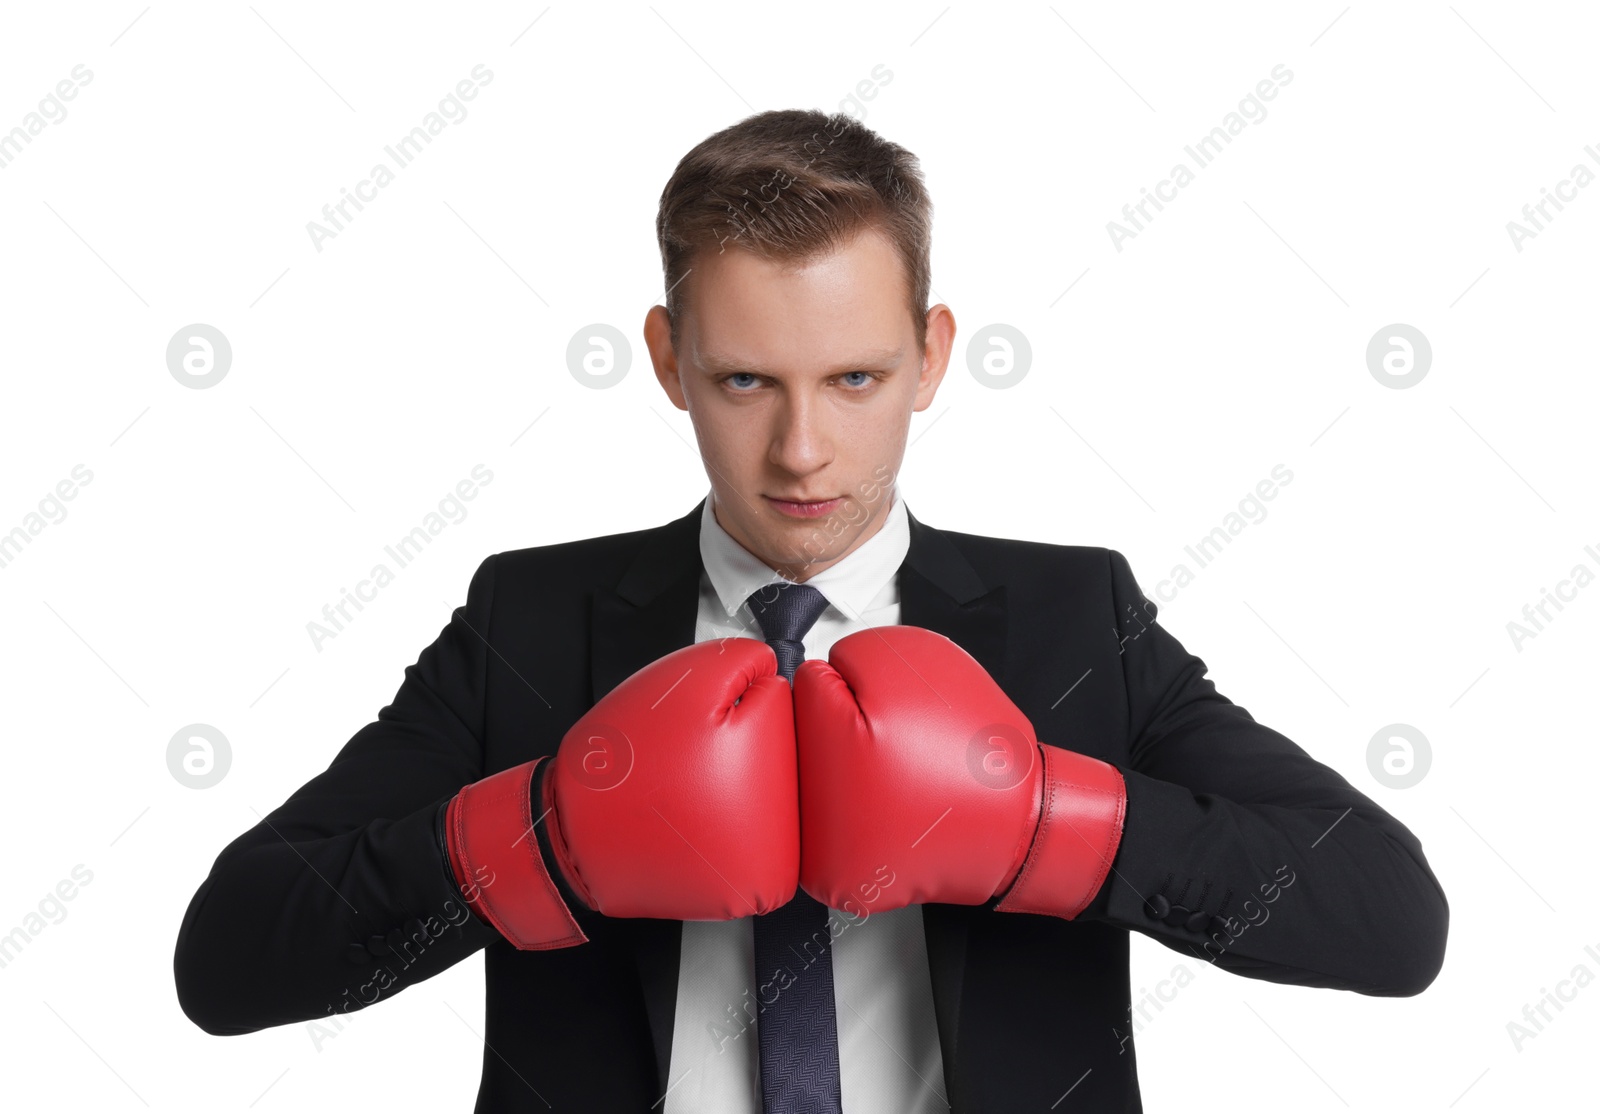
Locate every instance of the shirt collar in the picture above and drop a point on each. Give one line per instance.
(850, 585)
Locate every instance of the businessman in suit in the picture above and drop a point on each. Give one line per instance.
(797, 803)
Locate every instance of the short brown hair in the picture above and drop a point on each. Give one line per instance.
(790, 184)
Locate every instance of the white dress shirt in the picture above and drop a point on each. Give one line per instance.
(889, 1057)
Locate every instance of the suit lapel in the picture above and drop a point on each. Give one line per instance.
(940, 591)
(652, 611)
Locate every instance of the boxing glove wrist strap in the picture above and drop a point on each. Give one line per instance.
(495, 858)
(1080, 827)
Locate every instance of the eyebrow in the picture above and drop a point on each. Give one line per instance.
(876, 358)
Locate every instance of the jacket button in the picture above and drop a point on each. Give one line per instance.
(1176, 916)
(377, 945)
(1197, 921)
(355, 953)
(1156, 908)
(1216, 925)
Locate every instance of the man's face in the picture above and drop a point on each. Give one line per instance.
(800, 382)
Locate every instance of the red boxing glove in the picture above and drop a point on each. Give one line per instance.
(920, 781)
(664, 800)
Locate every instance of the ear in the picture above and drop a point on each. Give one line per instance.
(935, 354)
(658, 339)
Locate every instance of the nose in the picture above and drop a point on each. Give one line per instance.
(802, 440)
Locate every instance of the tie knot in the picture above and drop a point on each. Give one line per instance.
(786, 612)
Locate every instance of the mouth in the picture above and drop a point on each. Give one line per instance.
(812, 508)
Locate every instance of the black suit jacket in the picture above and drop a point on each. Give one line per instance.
(1238, 847)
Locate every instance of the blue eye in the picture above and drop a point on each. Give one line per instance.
(751, 380)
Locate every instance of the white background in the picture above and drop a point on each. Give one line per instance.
(368, 378)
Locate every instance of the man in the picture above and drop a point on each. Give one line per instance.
(904, 883)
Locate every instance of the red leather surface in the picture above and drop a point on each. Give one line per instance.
(496, 860)
(672, 801)
(919, 778)
(1079, 829)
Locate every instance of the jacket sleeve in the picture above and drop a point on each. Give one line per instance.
(340, 897)
(1241, 849)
